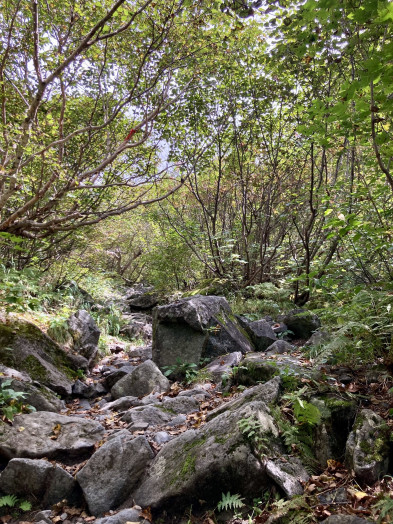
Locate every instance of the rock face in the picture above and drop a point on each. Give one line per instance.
(367, 451)
(113, 472)
(204, 463)
(288, 472)
(143, 380)
(139, 326)
(195, 328)
(30, 436)
(302, 322)
(48, 483)
(221, 367)
(36, 354)
(85, 335)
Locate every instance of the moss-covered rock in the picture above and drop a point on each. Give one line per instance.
(24, 347)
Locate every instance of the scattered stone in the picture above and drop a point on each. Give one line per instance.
(85, 335)
(30, 436)
(367, 451)
(288, 473)
(194, 328)
(122, 404)
(139, 326)
(141, 297)
(113, 472)
(145, 379)
(43, 516)
(302, 322)
(162, 437)
(81, 389)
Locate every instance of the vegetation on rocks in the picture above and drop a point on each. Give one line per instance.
(176, 151)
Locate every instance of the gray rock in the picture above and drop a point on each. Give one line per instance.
(144, 353)
(144, 416)
(345, 519)
(34, 353)
(302, 322)
(279, 347)
(288, 473)
(335, 496)
(262, 335)
(79, 362)
(194, 328)
(178, 421)
(122, 404)
(81, 389)
(113, 472)
(145, 379)
(115, 376)
(48, 483)
(204, 463)
(43, 517)
(268, 393)
(30, 436)
(40, 397)
(223, 365)
(141, 297)
(85, 335)
(139, 326)
(367, 451)
(162, 437)
(318, 338)
(178, 405)
(124, 516)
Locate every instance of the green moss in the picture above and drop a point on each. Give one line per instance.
(220, 440)
(34, 368)
(194, 444)
(188, 466)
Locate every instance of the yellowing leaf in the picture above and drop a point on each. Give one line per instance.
(359, 495)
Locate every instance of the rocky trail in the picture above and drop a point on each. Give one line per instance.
(259, 422)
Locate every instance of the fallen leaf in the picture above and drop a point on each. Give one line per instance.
(146, 514)
(359, 495)
(21, 428)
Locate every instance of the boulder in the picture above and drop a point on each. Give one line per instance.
(122, 404)
(302, 322)
(45, 434)
(116, 375)
(85, 335)
(367, 450)
(141, 297)
(143, 380)
(204, 463)
(81, 389)
(24, 347)
(318, 338)
(194, 328)
(39, 478)
(113, 472)
(261, 333)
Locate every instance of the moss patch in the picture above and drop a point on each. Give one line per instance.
(34, 368)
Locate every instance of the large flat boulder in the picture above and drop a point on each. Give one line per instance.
(204, 463)
(194, 328)
(24, 347)
(45, 434)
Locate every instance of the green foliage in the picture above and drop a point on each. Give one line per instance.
(383, 508)
(293, 511)
(229, 501)
(58, 330)
(182, 371)
(252, 430)
(12, 501)
(11, 401)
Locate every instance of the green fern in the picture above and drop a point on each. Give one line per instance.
(8, 500)
(293, 511)
(24, 505)
(306, 413)
(229, 501)
(384, 507)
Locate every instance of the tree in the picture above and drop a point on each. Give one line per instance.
(81, 87)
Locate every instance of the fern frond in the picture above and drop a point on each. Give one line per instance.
(24, 505)
(8, 500)
(229, 501)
